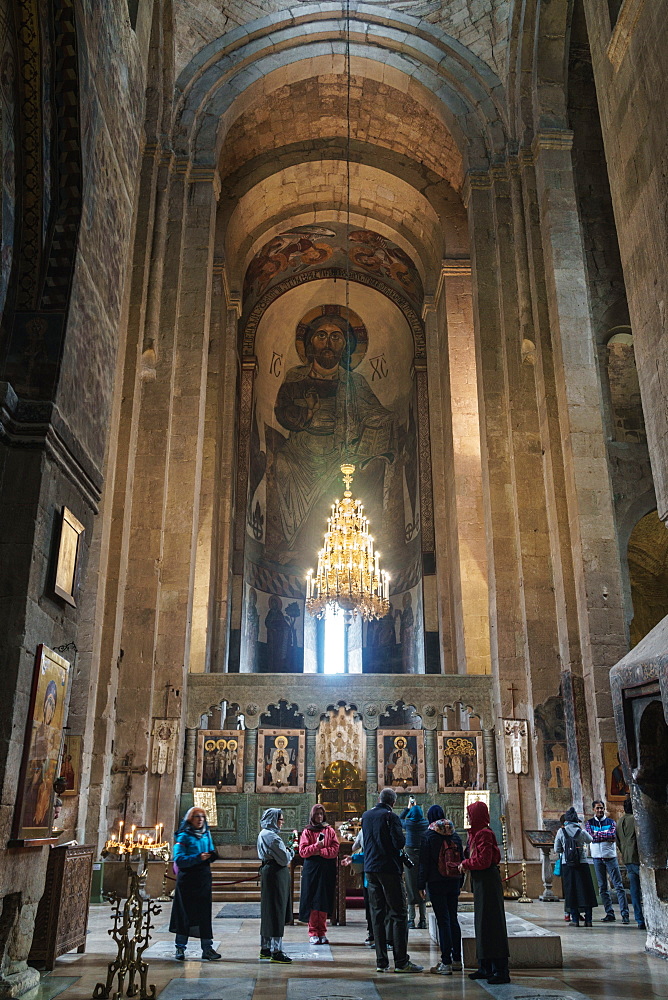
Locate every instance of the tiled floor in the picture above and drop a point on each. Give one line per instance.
(606, 962)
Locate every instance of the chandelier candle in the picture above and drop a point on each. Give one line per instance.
(348, 576)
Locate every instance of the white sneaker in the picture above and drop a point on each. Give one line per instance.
(314, 940)
(442, 970)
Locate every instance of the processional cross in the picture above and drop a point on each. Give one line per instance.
(126, 768)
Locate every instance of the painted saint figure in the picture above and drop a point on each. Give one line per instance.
(331, 413)
(279, 636)
(280, 767)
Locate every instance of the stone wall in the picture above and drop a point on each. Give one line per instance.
(636, 151)
(53, 449)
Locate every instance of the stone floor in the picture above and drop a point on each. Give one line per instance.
(605, 963)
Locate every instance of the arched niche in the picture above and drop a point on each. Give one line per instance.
(648, 575)
(626, 404)
(294, 475)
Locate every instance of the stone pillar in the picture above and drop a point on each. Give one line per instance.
(189, 757)
(311, 736)
(250, 760)
(430, 759)
(469, 565)
(371, 762)
(158, 597)
(439, 610)
(248, 369)
(596, 560)
(491, 766)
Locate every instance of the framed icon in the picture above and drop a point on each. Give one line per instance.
(220, 759)
(401, 762)
(460, 761)
(68, 559)
(280, 760)
(47, 712)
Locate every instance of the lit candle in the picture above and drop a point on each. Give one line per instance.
(120, 830)
(132, 834)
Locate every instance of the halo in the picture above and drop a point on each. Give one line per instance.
(209, 744)
(231, 744)
(281, 742)
(400, 742)
(221, 744)
(340, 312)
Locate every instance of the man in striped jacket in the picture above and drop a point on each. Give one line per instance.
(603, 850)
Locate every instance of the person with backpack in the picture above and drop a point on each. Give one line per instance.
(441, 853)
(576, 881)
(415, 827)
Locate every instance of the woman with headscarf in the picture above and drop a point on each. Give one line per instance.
(319, 847)
(576, 879)
(194, 851)
(275, 899)
(482, 860)
(441, 852)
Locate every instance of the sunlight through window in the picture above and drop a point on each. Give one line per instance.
(334, 642)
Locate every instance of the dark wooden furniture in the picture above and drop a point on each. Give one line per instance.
(62, 914)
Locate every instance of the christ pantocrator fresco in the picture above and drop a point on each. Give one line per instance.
(332, 414)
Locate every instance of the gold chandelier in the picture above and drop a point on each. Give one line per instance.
(349, 576)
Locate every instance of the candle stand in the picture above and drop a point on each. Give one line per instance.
(131, 931)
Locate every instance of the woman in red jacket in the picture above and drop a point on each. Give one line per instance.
(483, 857)
(319, 847)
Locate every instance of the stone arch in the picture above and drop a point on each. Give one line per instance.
(300, 195)
(414, 321)
(648, 574)
(466, 92)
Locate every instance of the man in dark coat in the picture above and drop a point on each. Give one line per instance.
(384, 842)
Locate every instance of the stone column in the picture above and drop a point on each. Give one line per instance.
(430, 759)
(189, 757)
(596, 560)
(371, 762)
(225, 478)
(250, 760)
(469, 579)
(157, 613)
(311, 736)
(491, 766)
(439, 610)
(248, 370)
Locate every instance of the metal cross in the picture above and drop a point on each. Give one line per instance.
(126, 768)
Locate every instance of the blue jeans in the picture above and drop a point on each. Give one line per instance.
(605, 867)
(444, 905)
(182, 941)
(633, 872)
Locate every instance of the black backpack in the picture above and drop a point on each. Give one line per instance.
(571, 852)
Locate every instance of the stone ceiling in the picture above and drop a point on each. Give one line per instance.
(315, 108)
(481, 25)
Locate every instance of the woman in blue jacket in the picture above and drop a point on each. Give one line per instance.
(443, 889)
(191, 911)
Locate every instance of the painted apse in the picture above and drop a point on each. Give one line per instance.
(334, 382)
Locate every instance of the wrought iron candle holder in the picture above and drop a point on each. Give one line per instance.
(131, 931)
(508, 892)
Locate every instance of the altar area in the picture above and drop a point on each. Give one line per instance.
(254, 740)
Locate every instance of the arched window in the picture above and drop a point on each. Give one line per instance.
(629, 424)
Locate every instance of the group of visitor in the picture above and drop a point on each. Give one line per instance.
(430, 850)
(601, 836)
(408, 859)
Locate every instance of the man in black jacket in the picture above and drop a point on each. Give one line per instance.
(383, 867)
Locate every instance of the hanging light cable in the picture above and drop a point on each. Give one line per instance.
(348, 577)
